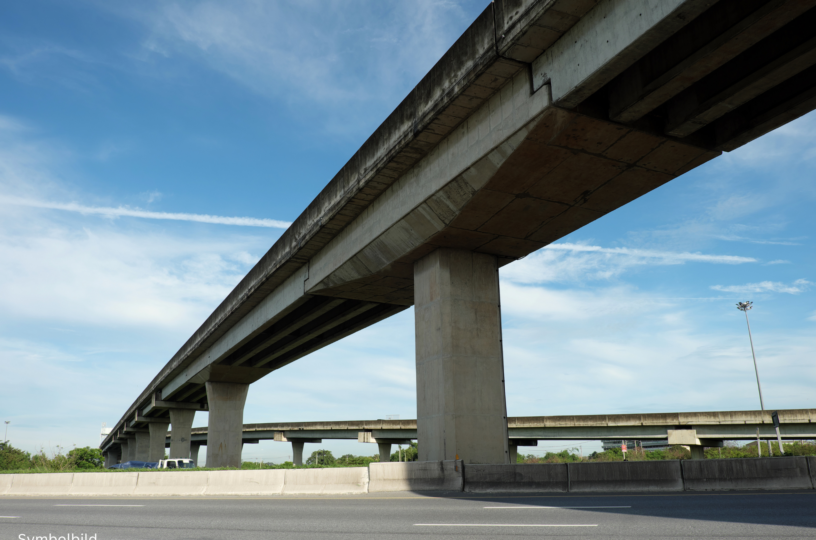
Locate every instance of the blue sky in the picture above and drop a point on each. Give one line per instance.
(115, 116)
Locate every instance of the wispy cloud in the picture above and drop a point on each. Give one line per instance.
(122, 211)
(778, 261)
(736, 238)
(798, 286)
(570, 262)
(662, 257)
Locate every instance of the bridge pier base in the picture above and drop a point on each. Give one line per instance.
(194, 448)
(697, 452)
(142, 446)
(297, 452)
(513, 451)
(225, 428)
(385, 452)
(461, 412)
(158, 437)
(125, 451)
(182, 422)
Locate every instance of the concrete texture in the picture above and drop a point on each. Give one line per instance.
(142, 452)
(416, 476)
(103, 483)
(194, 449)
(225, 422)
(172, 483)
(182, 422)
(158, 435)
(132, 449)
(297, 452)
(326, 481)
(245, 482)
(124, 455)
(385, 452)
(626, 476)
(41, 484)
(546, 478)
(461, 411)
(758, 473)
(5, 483)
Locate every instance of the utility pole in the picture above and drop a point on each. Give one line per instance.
(5, 437)
(745, 307)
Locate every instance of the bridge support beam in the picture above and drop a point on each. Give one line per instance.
(125, 452)
(194, 448)
(158, 436)
(225, 428)
(385, 452)
(142, 446)
(182, 422)
(461, 412)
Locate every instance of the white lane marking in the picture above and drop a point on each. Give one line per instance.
(9, 517)
(494, 525)
(554, 507)
(117, 505)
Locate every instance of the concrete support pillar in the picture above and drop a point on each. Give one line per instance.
(461, 412)
(225, 428)
(125, 453)
(697, 452)
(513, 453)
(385, 452)
(194, 448)
(131, 449)
(297, 452)
(142, 446)
(158, 437)
(182, 422)
(108, 458)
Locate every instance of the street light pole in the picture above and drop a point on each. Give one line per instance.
(745, 307)
(5, 437)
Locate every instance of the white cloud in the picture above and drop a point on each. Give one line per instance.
(571, 262)
(798, 286)
(778, 261)
(122, 211)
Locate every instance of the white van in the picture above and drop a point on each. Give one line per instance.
(175, 464)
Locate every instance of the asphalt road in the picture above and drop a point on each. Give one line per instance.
(722, 515)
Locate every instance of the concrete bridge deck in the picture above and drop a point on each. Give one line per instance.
(710, 428)
(544, 116)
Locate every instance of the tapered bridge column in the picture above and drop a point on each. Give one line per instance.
(142, 446)
(460, 370)
(158, 438)
(225, 428)
(124, 453)
(182, 422)
(194, 448)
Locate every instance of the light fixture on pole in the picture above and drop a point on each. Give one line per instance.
(745, 307)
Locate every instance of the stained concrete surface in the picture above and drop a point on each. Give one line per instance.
(730, 515)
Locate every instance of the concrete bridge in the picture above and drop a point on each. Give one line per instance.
(697, 430)
(544, 116)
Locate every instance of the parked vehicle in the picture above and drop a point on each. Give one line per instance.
(176, 463)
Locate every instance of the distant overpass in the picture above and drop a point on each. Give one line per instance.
(709, 428)
(544, 116)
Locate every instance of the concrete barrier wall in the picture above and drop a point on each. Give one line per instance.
(41, 484)
(264, 482)
(5, 483)
(325, 481)
(102, 483)
(755, 473)
(172, 483)
(517, 478)
(416, 476)
(643, 476)
(623, 476)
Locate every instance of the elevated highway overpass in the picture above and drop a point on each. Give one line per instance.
(709, 429)
(544, 116)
